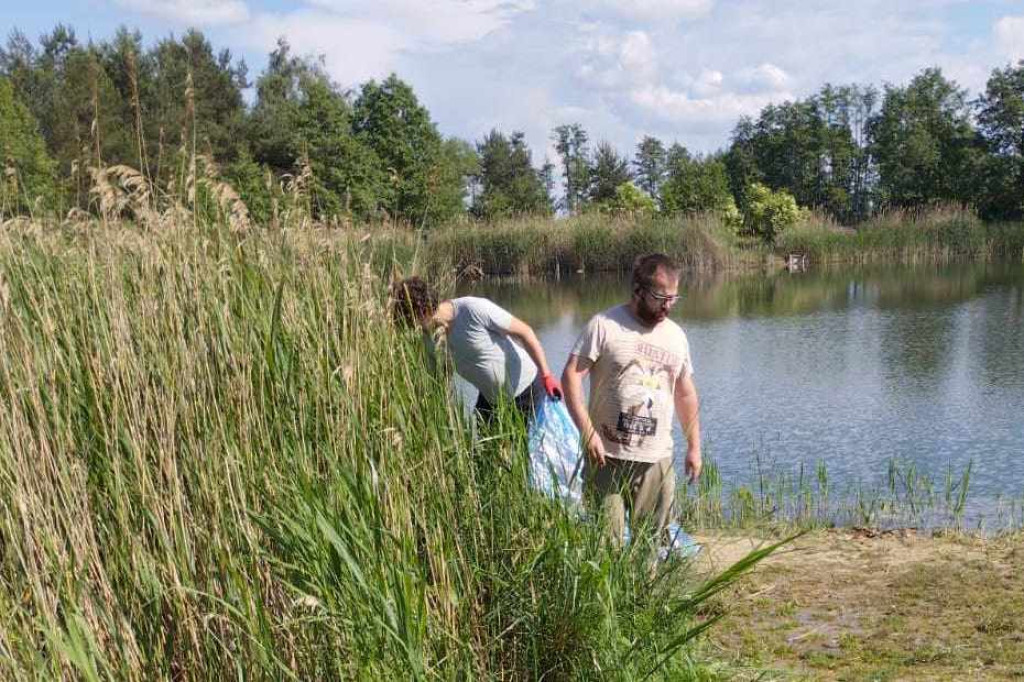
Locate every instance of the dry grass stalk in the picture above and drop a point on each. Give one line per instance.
(9, 188)
(94, 127)
(133, 82)
(296, 189)
(228, 200)
(122, 189)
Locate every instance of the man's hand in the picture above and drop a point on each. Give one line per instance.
(595, 449)
(552, 387)
(693, 465)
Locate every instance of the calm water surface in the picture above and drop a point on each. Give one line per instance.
(853, 367)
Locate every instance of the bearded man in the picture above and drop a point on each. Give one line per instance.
(640, 373)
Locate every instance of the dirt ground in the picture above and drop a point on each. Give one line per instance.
(865, 605)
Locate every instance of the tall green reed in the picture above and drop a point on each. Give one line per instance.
(936, 235)
(589, 242)
(218, 457)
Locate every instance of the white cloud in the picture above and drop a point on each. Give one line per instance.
(765, 77)
(192, 12)
(354, 50)
(708, 82)
(677, 107)
(441, 22)
(657, 10)
(361, 40)
(611, 61)
(1009, 32)
(637, 53)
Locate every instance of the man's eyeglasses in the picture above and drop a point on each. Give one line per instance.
(662, 298)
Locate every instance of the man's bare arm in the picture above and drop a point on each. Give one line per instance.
(531, 343)
(688, 411)
(572, 383)
(525, 334)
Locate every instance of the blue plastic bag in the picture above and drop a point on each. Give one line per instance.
(555, 452)
(556, 467)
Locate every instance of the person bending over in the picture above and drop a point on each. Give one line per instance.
(490, 348)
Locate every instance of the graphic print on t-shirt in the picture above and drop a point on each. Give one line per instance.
(644, 385)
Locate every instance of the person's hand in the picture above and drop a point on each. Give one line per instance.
(595, 449)
(693, 465)
(552, 387)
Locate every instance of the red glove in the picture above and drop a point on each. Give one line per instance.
(552, 387)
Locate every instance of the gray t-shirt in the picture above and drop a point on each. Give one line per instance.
(482, 351)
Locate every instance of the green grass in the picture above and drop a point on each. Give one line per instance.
(783, 499)
(219, 459)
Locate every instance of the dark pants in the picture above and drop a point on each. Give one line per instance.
(524, 403)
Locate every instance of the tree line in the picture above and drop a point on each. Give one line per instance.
(69, 109)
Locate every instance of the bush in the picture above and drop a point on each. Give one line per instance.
(770, 213)
(630, 198)
(730, 214)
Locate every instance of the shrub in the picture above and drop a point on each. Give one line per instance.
(630, 198)
(770, 213)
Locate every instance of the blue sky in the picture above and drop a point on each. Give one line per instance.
(683, 70)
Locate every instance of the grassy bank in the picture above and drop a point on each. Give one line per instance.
(218, 459)
(545, 247)
(936, 236)
(587, 243)
(601, 243)
(702, 243)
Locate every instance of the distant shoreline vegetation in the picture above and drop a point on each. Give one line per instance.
(118, 129)
(543, 247)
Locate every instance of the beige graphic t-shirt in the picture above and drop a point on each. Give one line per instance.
(633, 371)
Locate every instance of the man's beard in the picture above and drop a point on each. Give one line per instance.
(650, 316)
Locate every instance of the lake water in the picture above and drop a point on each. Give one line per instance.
(854, 367)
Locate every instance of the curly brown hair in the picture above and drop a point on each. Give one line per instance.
(411, 299)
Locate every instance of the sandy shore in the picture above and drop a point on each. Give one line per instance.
(865, 605)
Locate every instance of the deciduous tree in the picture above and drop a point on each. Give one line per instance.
(924, 144)
(27, 174)
(1001, 122)
(389, 119)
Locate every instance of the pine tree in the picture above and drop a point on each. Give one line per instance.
(507, 181)
(571, 144)
(609, 170)
(649, 163)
